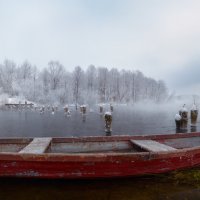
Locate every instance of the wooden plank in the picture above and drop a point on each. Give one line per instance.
(152, 146)
(37, 146)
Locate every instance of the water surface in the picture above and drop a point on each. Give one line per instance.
(126, 121)
(30, 123)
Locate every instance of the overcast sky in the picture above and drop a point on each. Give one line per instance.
(159, 38)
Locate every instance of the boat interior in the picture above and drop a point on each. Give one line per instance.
(98, 144)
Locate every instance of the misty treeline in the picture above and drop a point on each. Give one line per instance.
(54, 84)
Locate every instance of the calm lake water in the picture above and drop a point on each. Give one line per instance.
(126, 120)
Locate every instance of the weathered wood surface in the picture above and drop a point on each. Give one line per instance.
(125, 137)
(152, 146)
(89, 147)
(11, 147)
(37, 146)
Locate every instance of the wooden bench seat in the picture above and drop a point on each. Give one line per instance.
(152, 146)
(37, 146)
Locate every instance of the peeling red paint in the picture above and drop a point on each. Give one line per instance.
(98, 165)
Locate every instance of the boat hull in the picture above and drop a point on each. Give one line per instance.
(96, 166)
(73, 162)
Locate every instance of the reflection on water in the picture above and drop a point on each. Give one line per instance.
(149, 188)
(125, 121)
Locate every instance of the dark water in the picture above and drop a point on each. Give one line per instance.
(125, 121)
(151, 188)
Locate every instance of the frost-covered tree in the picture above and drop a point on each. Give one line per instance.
(91, 85)
(114, 85)
(125, 86)
(91, 78)
(55, 72)
(25, 81)
(45, 81)
(77, 81)
(34, 79)
(103, 84)
(8, 77)
(25, 71)
(161, 91)
(54, 85)
(67, 96)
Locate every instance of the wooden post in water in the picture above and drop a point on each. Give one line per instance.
(100, 109)
(56, 108)
(66, 109)
(53, 110)
(184, 117)
(111, 108)
(84, 109)
(48, 107)
(81, 109)
(178, 121)
(108, 122)
(193, 115)
(42, 110)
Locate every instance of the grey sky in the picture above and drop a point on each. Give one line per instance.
(159, 38)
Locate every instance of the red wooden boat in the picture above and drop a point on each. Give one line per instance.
(98, 157)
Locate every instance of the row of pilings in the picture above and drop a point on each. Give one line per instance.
(106, 113)
(107, 116)
(183, 117)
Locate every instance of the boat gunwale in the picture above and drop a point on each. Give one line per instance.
(98, 157)
(114, 138)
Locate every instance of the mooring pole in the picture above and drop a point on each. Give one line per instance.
(81, 109)
(184, 117)
(193, 115)
(84, 109)
(53, 110)
(108, 122)
(178, 121)
(66, 109)
(42, 110)
(111, 108)
(100, 109)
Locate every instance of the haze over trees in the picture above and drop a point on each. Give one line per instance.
(54, 84)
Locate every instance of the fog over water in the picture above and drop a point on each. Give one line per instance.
(139, 119)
